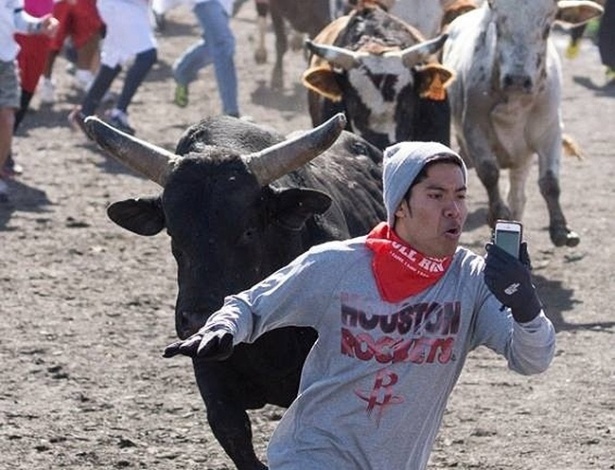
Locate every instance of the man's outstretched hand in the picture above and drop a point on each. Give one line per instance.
(208, 344)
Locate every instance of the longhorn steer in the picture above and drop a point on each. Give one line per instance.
(379, 71)
(239, 202)
(506, 99)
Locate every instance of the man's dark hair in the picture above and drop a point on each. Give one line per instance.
(423, 173)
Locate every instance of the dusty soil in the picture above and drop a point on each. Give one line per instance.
(87, 308)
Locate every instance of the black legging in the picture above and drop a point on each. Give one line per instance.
(606, 35)
(143, 63)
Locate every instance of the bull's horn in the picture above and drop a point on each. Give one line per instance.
(276, 161)
(412, 55)
(344, 58)
(146, 159)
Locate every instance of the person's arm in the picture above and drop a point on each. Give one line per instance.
(295, 295)
(28, 24)
(511, 320)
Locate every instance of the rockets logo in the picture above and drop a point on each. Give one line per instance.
(420, 334)
(381, 395)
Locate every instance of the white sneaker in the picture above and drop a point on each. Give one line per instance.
(83, 79)
(119, 120)
(47, 91)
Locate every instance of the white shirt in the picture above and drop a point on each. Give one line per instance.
(10, 21)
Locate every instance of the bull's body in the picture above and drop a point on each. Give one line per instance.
(505, 102)
(229, 230)
(382, 74)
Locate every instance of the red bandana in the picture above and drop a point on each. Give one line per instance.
(401, 271)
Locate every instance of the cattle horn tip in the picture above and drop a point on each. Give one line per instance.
(339, 120)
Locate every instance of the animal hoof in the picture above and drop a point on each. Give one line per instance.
(564, 237)
(573, 239)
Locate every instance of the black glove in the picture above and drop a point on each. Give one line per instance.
(208, 343)
(510, 280)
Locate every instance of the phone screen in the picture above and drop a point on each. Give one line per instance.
(508, 241)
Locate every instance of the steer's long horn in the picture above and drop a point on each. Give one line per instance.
(280, 159)
(147, 159)
(339, 56)
(412, 55)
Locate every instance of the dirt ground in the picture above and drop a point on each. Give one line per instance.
(87, 308)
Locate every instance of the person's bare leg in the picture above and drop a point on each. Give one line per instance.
(7, 121)
(88, 54)
(87, 62)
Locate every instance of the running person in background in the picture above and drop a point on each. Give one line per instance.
(79, 21)
(217, 47)
(33, 50)
(129, 34)
(14, 18)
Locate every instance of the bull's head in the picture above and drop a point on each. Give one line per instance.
(229, 226)
(380, 78)
(521, 34)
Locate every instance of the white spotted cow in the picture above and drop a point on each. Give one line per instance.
(505, 101)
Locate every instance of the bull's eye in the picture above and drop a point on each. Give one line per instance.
(359, 148)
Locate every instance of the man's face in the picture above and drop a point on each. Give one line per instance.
(432, 220)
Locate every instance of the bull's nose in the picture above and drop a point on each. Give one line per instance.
(513, 82)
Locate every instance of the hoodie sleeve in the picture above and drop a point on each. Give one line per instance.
(528, 347)
(296, 295)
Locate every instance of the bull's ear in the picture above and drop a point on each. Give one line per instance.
(294, 206)
(141, 216)
(322, 80)
(433, 81)
(577, 12)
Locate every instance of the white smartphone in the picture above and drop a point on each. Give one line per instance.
(508, 234)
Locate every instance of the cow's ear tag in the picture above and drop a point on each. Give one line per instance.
(434, 81)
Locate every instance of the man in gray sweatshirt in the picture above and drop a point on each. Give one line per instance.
(397, 312)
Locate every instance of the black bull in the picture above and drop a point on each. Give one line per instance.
(239, 201)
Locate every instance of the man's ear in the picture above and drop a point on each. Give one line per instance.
(403, 209)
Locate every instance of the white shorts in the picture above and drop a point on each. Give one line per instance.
(129, 30)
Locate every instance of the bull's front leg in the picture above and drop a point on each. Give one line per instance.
(560, 234)
(548, 182)
(227, 419)
(516, 195)
(479, 151)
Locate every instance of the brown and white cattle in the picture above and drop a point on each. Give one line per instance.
(382, 74)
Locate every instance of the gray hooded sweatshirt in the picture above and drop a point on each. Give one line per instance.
(375, 384)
